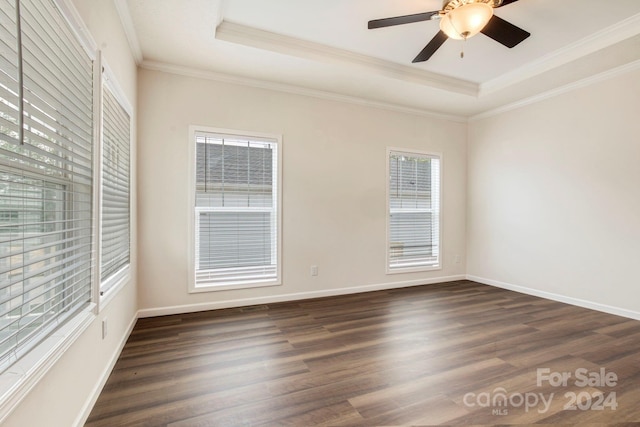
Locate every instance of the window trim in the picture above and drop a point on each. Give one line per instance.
(191, 211)
(26, 373)
(402, 270)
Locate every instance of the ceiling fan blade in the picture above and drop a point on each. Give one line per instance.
(504, 32)
(506, 2)
(431, 48)
(399, 20)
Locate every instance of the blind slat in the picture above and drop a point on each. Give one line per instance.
(115, 224)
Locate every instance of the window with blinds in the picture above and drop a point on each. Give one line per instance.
(413, 239)
(236, 210)
(114, 220)
(46, 138)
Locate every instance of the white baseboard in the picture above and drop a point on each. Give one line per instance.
(95, 393)
(216, 305)
(557, 297)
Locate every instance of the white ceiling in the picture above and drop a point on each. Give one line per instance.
(323, 47)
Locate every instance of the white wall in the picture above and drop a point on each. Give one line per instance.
(554, 200)
(334, 160)
(65, 394)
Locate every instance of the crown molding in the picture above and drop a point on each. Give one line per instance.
(292, 89)
(604, 38)
(266, 40)
(129, 29)
(588, 81)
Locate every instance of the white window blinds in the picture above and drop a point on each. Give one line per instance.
(236, 210)
(9, 86)
(115, 222)
(414, 211)
(45, 176)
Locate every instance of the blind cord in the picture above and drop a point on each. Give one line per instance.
(20, 75)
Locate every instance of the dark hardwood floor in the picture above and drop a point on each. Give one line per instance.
(430, 355)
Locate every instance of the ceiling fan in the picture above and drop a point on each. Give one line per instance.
(461, 19)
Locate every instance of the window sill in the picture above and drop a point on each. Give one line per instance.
(18, 380)
(112, 286)
(194, 289)
(400, 270)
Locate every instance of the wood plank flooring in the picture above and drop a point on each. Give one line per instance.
(431, 355)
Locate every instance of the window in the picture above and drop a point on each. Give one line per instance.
(115, 204)
(413, 236)
(46, 155)
(236, 211)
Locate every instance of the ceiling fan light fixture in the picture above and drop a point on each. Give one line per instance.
(465, 18)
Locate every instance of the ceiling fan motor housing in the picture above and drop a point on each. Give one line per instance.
(449, 5)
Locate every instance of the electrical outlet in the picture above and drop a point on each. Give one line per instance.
(457, 259)
(104, 328)
(314, 270)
